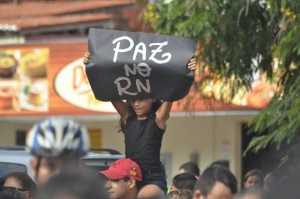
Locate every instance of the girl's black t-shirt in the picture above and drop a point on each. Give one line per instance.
(143, 140)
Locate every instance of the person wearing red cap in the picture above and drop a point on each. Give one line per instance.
(124, 179)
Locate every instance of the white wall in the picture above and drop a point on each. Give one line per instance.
(8, 130)
(204, 136)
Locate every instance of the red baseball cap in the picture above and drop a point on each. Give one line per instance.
(123, 168)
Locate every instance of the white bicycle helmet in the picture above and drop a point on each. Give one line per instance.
(56, 137)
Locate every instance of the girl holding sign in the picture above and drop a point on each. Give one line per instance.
(143, 123)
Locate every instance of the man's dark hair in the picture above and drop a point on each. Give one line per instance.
(184, 181)
(224, 163)
(213, 174)
(191, 167)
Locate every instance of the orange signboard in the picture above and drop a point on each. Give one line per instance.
(34, 80)
(44, 80)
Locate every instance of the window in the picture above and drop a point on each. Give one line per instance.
(20, 137)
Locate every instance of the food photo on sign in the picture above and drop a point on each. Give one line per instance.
(23, 79)
(9, 98)
(128, 65)
(9, 63)
(33, 62)
(34, 94)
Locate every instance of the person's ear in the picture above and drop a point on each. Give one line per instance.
(33, 165)
(198, 195)
(26, 194)
(244, 183)
(173, 188)
(132, 183)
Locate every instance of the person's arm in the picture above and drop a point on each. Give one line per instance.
(120, 107)
(163, 113)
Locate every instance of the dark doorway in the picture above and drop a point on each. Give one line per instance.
(266, 160)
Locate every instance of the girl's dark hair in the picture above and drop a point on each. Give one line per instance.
(155, 106)
(25, 180)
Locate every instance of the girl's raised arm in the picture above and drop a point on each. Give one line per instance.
(120, 107)
(163, 113)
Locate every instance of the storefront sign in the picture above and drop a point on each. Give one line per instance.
(23, 79)
(72, 85)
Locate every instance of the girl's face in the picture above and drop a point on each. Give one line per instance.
(252, 181)
(141, 107)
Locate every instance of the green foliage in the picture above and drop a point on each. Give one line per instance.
(280, 120)
(223, 29)
(237, 39)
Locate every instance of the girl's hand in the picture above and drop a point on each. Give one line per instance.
(86, 58)
(192, 64)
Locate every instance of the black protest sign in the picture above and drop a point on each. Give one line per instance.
(128, 65)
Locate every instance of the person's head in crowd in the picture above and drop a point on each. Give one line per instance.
(123, 179)
(21, 182)
(190, 167)
(183, 181)
(253, 178)
(216, 182)
(56, 143)
(73, 184)
(224, 163)
(180, 194)
(269, 181)
(251, 193)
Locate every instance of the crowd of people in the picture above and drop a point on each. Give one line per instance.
(58, 144)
